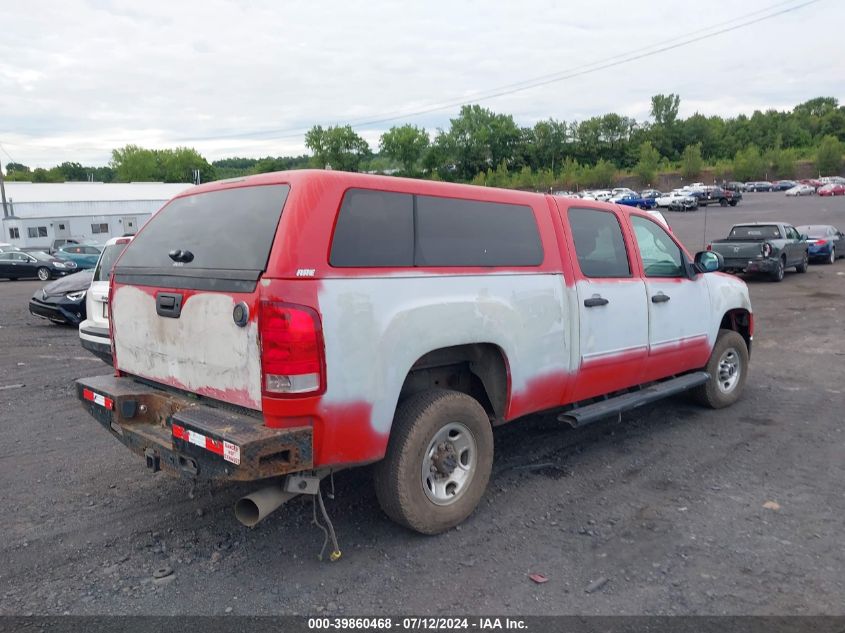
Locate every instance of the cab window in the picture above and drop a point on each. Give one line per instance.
(599, 244)
(661, 256)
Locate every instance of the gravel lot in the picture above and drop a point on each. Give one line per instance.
(663, 512)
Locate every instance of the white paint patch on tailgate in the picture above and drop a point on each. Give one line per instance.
(376, 329)
(202, 351)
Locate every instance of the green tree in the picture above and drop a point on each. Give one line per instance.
(405, 144)
(691, 161)
(723, 169)
(664, 108)
(646, 167)
(478, 139)
(134, 164)
(16, 167)
(749, 164)
(180, 165)
(829, 156)
(337, 147)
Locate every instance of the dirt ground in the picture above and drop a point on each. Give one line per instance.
(661, 512)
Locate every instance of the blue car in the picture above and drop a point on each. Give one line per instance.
(83, 255)
(824, 242)
(634, 200)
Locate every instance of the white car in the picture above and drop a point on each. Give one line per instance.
(801, 190)
(678, 199)
(94, 330)
(618, 192)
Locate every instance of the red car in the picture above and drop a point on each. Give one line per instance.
(812, 182)
(832, 189)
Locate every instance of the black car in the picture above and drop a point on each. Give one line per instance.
(20, 265)
(63, 300)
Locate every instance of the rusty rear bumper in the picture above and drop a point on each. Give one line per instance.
(190, 438)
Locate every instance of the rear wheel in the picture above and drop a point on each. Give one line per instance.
(733, 203)
(438, 461)
(723, 202)
(831, 259)
(728, 369)
(43, 273)
(802, 267)
(777, 273)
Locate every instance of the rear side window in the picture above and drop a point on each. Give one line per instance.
(381, 229)
(452, 232)
(599, 244)
(229, 234)
(374, 228)
(104, 265)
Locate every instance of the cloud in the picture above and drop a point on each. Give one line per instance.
(82, 77)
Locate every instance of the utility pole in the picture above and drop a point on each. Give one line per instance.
(3, 193)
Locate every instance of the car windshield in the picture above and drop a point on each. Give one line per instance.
(106, 262)
(755, 232)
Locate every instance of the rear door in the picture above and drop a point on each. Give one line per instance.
(185, 300)
(612, 312)
(679, 314)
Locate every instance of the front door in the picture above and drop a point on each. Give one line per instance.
(612, 311)
(679, 314)
(130, 225)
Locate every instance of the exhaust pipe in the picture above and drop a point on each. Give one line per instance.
(255, 507)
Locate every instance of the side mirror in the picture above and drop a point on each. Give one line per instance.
(709, 261)
(804, 237)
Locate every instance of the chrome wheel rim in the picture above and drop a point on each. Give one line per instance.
(43, 275)
(449, 464)
(728, 370)
(832, 256)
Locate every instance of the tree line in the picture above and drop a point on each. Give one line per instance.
(488, 148)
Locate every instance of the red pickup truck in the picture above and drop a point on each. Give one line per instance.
(296, 323)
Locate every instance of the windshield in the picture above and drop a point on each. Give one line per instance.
(106, 262)
(756, 232)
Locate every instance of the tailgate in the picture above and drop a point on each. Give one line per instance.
(184, 300)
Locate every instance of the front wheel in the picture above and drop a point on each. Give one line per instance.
(43, 273)
(728, 369)
(438, 461)
(802, 267)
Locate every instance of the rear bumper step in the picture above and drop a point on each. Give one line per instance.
(184, 437)
(593, 412)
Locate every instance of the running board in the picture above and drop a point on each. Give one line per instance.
(592, 412)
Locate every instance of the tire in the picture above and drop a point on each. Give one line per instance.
(832, 257)
(777, 273)
(43, 273)
(424, 425)
(723, 202)
(805, 263)
(728, 369)
(733, 203)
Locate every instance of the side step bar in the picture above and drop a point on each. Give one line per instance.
(592, 412)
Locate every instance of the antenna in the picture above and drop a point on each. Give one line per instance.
(704, 235)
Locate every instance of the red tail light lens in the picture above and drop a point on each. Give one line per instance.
(292, 359)
(766, 249)
(709, 247)
(820, 242)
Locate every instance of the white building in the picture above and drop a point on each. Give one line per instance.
(38, 213)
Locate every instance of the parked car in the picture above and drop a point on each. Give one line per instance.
(815, 184)
(836, 180)
(825, 242)
(262, 353)
(634, 200)
(94, 330)
(717, 195)
(801, 190)
(620, 191)
(20, 265)
(735, 186)
(783, 185)
(84, 255)
(763, 247)
(760, 185)
(57, 243)
(651, 193)
(63, 300)
(678, 200)
(831, 189)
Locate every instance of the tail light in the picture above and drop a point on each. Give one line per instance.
(820, 242)
(709, 247)
(766, 249)
(292, 360)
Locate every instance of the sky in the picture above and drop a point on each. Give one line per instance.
(247, 78)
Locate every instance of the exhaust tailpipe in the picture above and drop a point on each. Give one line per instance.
(255, 507)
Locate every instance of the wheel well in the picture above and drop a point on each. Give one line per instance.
(739, 320)
(477, 369)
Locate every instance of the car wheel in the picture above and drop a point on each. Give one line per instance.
(831, 259)
(728, 369)
(802, 267)
(733, 203)
(43, 273)
(438, 461)
(777, 273)
(723, 202)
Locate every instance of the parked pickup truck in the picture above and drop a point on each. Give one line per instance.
(717, 195)
(763, 247)
(634, 200)
(296, 323)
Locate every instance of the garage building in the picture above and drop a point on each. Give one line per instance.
(38, 213)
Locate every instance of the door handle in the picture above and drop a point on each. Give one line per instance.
(592, 302)
(659, 298)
